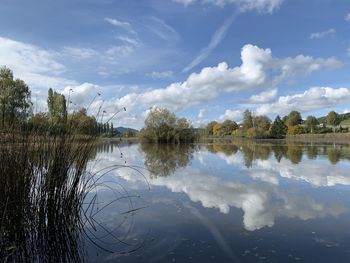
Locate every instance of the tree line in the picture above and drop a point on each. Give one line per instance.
(161, 125)
(16, 110)
(261, 126)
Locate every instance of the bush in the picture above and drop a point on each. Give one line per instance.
(295, 130)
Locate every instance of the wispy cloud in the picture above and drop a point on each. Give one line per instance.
(161, 29)
(216, 39)
(185, 2)
(160, 74)
(80, 53)
(122, 24)
(318, 35)
(129, 40)
(262, 6)
(36, 66)
(116, 22)
(347, 17)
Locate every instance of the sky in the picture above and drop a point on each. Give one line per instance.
(202, 59)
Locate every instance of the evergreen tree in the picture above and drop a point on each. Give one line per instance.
(112, 130)
(278, 128)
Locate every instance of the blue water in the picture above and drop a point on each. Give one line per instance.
(228, 202)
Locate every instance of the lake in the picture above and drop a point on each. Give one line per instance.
(238, 201)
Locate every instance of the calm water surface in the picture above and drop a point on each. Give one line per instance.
(232, 202)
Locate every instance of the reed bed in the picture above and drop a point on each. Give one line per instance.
(44, 184)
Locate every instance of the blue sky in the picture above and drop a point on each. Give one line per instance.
(203, 59)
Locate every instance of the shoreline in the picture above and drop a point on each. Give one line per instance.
(303, 138)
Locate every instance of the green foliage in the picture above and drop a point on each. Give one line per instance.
(80, 123)
(311, 123)
(262, 122)
(225, 128)
(57, 111)
(39, 122)
(332, 118)
(164, 159)
(293, 118)
(217, 130)
(278, 128)
(259, 127)
(295, 130)
(15, 100)
(345, 122)
(247, 120)
(238, 133)
(209, 127)
(228, 126)
(161, 125)
(129, 133)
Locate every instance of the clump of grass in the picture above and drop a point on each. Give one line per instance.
(43, 185)
(47, 204)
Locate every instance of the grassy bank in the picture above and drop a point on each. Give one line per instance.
(327, 137)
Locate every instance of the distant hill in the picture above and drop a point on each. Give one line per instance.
(124, 129)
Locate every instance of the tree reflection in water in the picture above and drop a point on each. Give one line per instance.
(293, 151)
(165, 159)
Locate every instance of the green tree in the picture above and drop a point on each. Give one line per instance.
(39, 122)
(261, 127)
(57, 107)
(247, 120)
(228, 126)
(295, 130)
(278, 128)
(112, 130)
(183, 130)
(108, 128)
(293, 118)
(209, 127)
(129, 133)
(15, 100)
(80, 123)
(311, 123)
(161, 125)
(262, 122)
(217, 130)
(333, 119)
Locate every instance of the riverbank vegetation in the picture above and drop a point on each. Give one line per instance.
(44, 209)
(43, 176)
(162, 126)
(261, 127)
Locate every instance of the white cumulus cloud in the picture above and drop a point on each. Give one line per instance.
(259, 69)
(263, 97)
(231, 115)
(311, 99)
